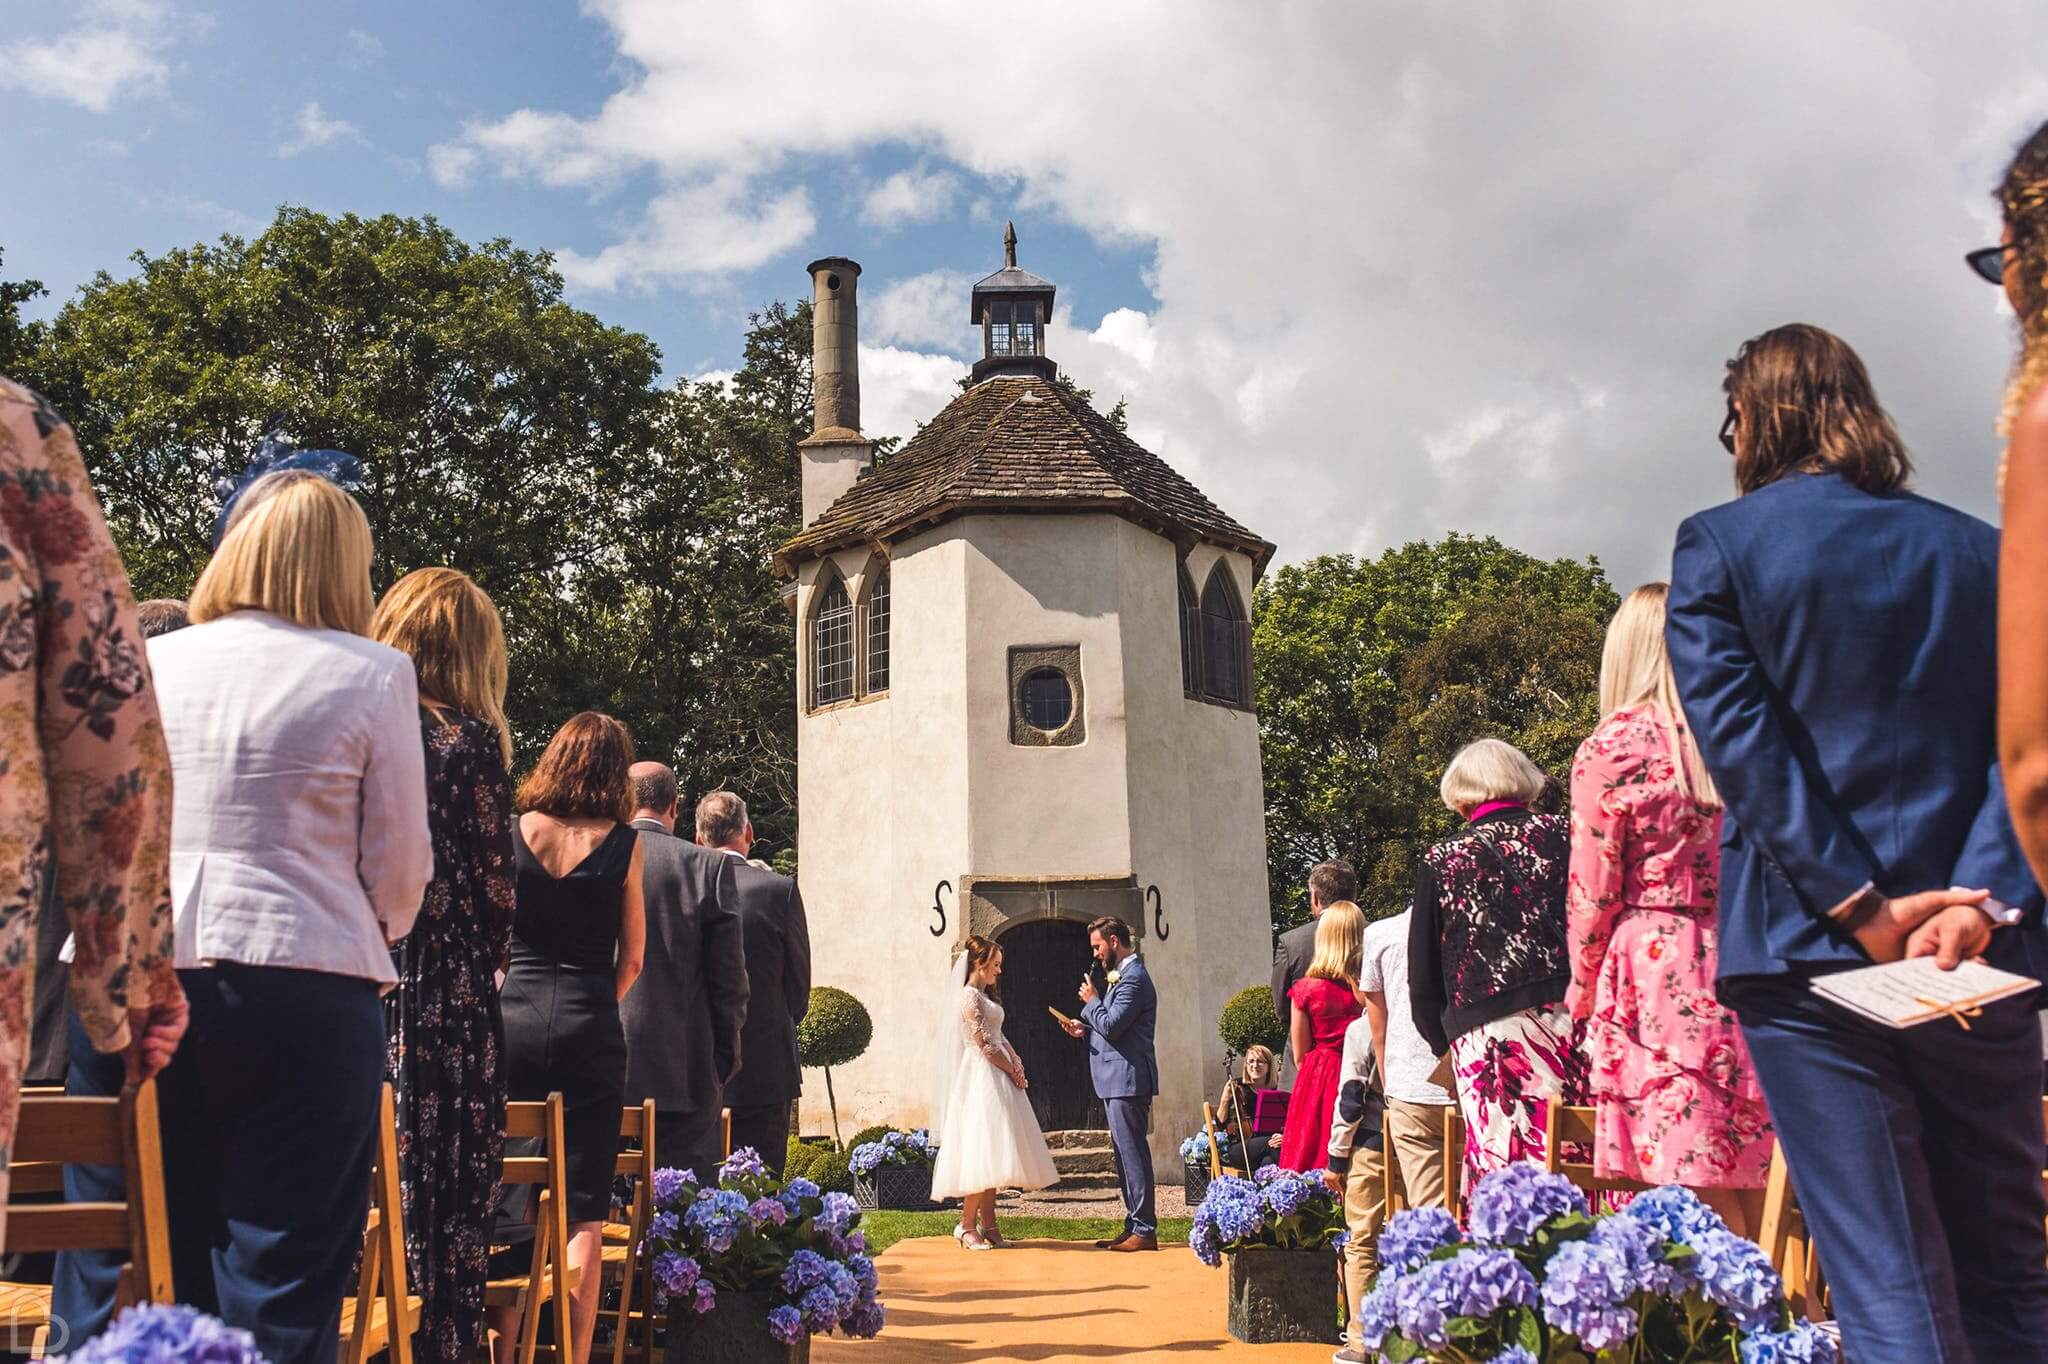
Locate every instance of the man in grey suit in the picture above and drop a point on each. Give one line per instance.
(1119, 1026)
(683, 1017)
(778, 952)
(1329, 883)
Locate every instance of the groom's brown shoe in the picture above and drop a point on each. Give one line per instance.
(1135, 1243)
(1110, 1244)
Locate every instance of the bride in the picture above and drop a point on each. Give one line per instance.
(988, 1137)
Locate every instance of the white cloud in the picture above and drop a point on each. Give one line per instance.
(690, 233)
(901, 388)
(316, 129)
(364, 49)
(928, 311)
(114, 50)
(1394, 249)
(910, 196)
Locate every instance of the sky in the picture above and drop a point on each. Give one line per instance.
(1365, 272)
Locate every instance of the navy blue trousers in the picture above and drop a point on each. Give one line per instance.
(1128, 1119)
(269, 1118)
(1916, 1156)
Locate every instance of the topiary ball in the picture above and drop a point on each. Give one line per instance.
(798, 1159)
(832, 1172)
(836, 1028)
(868, 1134)
(1247, 1021)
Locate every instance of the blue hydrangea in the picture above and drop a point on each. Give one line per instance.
(150, 1333)
(717, 1219)
(1413, 1236)
(1195, 1150)
(866, 1157)
(743, 1163)
(664, 1225)
(1586, 1288)
(1472, 1283)
(1736, 1274)
(1285, 1196)
(767, 1211)
(1418, 1312)
(1515, 1354)
(1266, 1174)
(785, 1323)
(805, 1270)
(1675, 1212)
(1805, 1343)
(1511, 1205)
(675, 1274)
(1642, 1247)
(704, 1297)
(838, 1214)
(669, 1182)
(1203, 1238)
(863, 1270)
(820, 1309)
(1376, 1313)
(864, 1322)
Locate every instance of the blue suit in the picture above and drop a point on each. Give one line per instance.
(1126, 1074)
(1835, 652)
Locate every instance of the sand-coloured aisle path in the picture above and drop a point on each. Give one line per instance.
(1045, 1301)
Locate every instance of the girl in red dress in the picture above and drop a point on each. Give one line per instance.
(1325, 1001)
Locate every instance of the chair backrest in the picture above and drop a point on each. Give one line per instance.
(1454, 1160)
(53, 1131)
(1573, 1126)
(527, 1120)
(638, 1163)
(1783, 1237)
(1215, 1151)
(383, 1270)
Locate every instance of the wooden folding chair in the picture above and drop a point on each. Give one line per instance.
(1454, 1161)
(1785, 1240)
(382, 1295)
(1217, 1169)
(1571, 1124)
(549, 1279)
(54, 1131)
(725, 1128)
(623, 1240)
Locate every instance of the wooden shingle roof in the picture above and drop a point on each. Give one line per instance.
(1018, 443)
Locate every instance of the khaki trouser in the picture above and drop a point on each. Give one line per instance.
(1365, 1211)
(1417, 1131)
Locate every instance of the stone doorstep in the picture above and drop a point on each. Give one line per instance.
(1062, 1141)
(1083, 1160)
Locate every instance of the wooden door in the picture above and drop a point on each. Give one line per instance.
(1042, 965)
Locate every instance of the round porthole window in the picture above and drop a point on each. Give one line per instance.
(1046, 700)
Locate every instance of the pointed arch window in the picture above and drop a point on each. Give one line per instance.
(1226, 641)
(1190, 636)
(832, 644)
(875, 631)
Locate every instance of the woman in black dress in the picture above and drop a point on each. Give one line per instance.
(578, 936)
(444, 1038)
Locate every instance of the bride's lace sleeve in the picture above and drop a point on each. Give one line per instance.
(974, 1026)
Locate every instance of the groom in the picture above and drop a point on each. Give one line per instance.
(1119, 1028)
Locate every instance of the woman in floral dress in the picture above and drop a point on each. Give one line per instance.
(1675, 1097)
(445, 1032)
(1487, 968)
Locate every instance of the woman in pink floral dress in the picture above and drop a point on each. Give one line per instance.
(1676, 1099)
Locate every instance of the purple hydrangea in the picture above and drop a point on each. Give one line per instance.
(706, 1297)
(785, 1323)
(1266, 1174)
(1675, 1212)
(1418, 1311)
(1642, 1246)
(767, 1210)
(1285, 1196)
(1586, 1288)
(865, 1321)
(805, 1270)
(1515, 1354)
(1511, 1205)
(1411, 1237)
(668, 1183)
(149, 1333)
(1376, 1314)
(1472, 1283)
(717, 1219)
(675, 1274)
(743, 1163)
(1805, 1343)
(665, 1225)
(838, 1213)
(1736, 1274)
(820, 1309)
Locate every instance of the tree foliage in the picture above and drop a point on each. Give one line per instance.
(17, 338)
(1371, 673)
(1247, 1021)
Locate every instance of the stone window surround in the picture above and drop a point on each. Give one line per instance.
(1184, 578)
(857, 588)
(1064, 659)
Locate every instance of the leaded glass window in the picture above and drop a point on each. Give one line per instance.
(1190, 637)
(1226, 642)
(878, 631)
(832, 645)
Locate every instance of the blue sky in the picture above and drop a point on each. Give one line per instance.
(1366, 273)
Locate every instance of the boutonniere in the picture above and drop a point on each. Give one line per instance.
(1114, 977)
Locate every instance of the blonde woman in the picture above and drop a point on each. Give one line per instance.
(1676, 1098)
(1237, 1106)
(445, 1035)
(299, 851)
(1325, 1001)
(1487, 965)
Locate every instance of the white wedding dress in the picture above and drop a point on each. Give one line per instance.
(988, 1135)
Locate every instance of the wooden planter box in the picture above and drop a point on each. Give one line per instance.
(906, 1187)
(1197, 1186)
(733, 1332)
(1283, 1295)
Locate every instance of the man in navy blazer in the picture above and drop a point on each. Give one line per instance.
(1119, 1027)
(1833, 638)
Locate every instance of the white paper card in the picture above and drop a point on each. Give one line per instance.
(1903, 994)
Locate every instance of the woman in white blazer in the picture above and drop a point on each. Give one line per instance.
(299, 851)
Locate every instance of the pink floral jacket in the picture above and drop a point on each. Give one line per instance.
(85, 780)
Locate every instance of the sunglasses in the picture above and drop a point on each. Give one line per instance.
(1728, 431)
(1988, 262)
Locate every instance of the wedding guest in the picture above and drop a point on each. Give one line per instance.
(777, 941)
(1487, 968)
(1237, 1109)
(1832, 637)
(1328, 884)
(160, 616)
(2020, 263)
(1417, 1106)
(578, 940)
(85, 788)
(1325, 1001)
(683, 1019)
(1675, 1098)
(1357, 1173)
(299, 851)
(445, 1036)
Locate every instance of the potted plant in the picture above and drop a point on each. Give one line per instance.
(751, 1269)
(894, 1172)
(1535, 1279)
(1279, 1233)
(1194, 1155)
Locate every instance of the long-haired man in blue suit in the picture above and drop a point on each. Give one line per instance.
(1834, 641)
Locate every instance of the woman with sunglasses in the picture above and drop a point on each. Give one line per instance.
(2020, 264)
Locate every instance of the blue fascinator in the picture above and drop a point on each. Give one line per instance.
(276, 454)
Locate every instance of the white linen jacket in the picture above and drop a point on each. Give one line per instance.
(299, 809)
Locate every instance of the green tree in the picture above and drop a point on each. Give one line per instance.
(17, 338)
(1371, 673)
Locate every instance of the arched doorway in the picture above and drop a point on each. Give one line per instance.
(1043, 962)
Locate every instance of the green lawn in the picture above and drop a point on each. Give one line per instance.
(885, 1229)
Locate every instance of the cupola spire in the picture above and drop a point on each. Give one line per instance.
(1012, 307)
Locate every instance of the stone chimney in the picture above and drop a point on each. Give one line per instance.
(835, 453)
